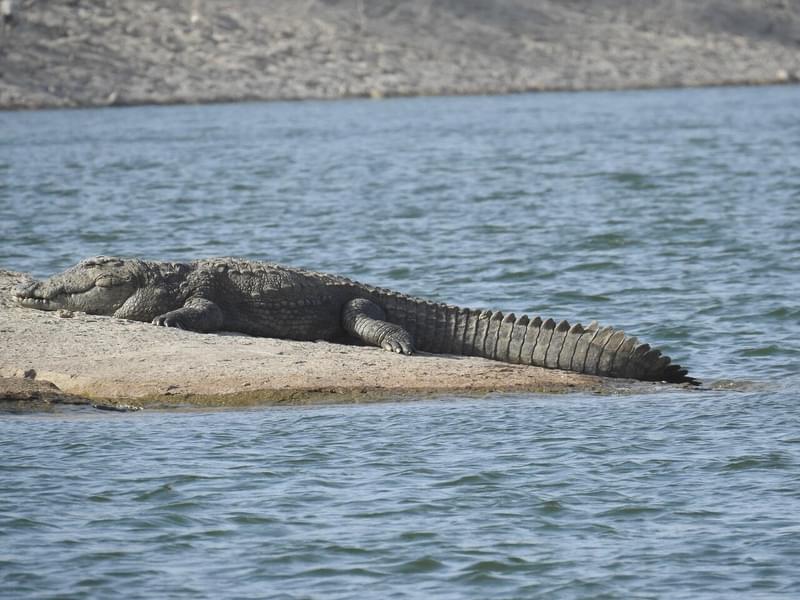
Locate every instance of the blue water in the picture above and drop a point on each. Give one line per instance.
(672, 214)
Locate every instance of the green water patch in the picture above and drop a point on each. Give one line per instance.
(515, 274)
(252, 519)
(771, 460)
(770, 350)
(551, 506)
(569, 297)
(414, 536)
(423, 564)
(784, 313)
(633, 180)
(605, 241)
(94, 237)
(631, 510)
(162, 492)
(594, 266)
(50, 189)
(243, 187)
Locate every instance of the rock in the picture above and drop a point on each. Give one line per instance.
(25, 394)
(444, 47)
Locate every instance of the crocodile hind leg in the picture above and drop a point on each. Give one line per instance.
(366, 321)
(198, 314)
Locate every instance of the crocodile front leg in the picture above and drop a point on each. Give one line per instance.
(198, 314)
(366, 321)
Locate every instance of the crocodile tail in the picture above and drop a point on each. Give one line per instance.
(447, 329)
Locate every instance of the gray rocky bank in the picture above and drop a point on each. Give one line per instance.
(71, 53)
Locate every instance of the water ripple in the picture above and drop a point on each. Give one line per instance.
(680, 227)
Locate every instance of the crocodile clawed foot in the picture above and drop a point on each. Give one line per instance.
(167, 320)
(399, 342)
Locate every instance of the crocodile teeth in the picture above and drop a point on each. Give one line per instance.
(34, 302)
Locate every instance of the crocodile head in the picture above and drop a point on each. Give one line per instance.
(98, 286)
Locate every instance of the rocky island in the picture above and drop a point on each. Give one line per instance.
(74, 53)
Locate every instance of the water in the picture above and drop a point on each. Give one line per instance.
(672, 214)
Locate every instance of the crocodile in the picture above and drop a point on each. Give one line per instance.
(271, 300)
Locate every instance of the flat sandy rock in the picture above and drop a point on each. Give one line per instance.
(100, 357)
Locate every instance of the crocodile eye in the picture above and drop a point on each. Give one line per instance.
(105, 281)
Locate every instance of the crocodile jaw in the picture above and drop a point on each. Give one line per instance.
(46, 296)
(38, 295)
(96, 286)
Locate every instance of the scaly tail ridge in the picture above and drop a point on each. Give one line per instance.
(593, 350)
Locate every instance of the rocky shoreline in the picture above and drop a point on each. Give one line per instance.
(75, 53)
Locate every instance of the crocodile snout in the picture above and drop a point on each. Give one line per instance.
(31, 295)
(25, 289)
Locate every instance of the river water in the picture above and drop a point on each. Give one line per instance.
(672, 214)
